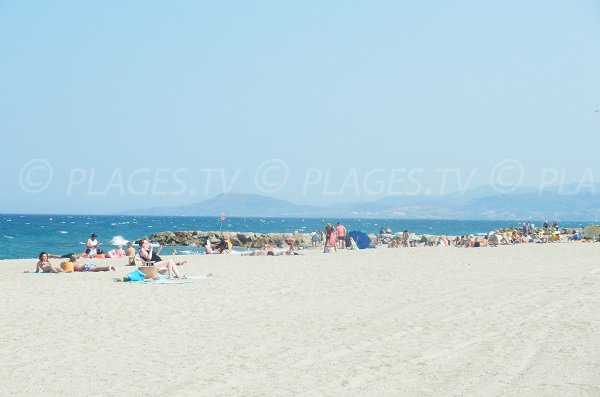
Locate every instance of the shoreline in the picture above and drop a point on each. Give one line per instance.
(384, 242)
(24, 236)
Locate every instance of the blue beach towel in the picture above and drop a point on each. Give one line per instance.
(136, 275)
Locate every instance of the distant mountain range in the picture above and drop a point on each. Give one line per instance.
(560, 203)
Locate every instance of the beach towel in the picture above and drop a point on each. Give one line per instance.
(163, 279)
(136, 275)
(33, 272)
(167, 281)
(186, 280)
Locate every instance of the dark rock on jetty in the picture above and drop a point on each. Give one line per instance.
(250, 240)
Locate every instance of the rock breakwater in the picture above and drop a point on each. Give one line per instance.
(198, 238)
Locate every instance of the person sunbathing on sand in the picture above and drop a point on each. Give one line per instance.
(66, 256)
(224, 246)
(290, 241)
(208, 249)
(45, 266)
(267, 250)
(118, 253)
(147, 256)
(261, 252)
(90, 267)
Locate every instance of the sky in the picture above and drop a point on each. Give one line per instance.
(110, 106)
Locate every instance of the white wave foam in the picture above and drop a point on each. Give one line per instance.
(8, 236)
(63, 232)
(118, 240)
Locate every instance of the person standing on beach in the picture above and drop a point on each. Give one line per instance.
(405, 238)
(329, 238)
(341, 235)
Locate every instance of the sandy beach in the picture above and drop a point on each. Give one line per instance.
(515, 320)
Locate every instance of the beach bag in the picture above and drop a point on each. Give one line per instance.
(148, 271)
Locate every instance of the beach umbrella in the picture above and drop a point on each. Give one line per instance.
(360, 238)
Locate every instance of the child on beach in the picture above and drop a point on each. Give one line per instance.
(45, 266)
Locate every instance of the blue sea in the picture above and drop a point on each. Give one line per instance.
(25, 236)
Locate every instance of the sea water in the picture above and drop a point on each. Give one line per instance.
(25, 236)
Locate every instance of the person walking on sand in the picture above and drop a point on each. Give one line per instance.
(341, 235)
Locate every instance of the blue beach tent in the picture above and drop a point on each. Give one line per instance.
(361, 239)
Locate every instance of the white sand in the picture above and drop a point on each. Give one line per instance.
(517, 321)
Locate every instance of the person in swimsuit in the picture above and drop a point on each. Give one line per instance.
(147, 255)
(116, 253)
(130, 253)
(65, 256)
(330, 237)
(45, 266)
(208, 248)
(90, 267)
(341, 234)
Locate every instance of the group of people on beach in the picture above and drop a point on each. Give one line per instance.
(93, 250)
(146, 256)
(44, 266)
(528, 233)
(333, 238)
(223, 246)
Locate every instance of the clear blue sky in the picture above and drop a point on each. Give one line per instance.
(141, 104)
